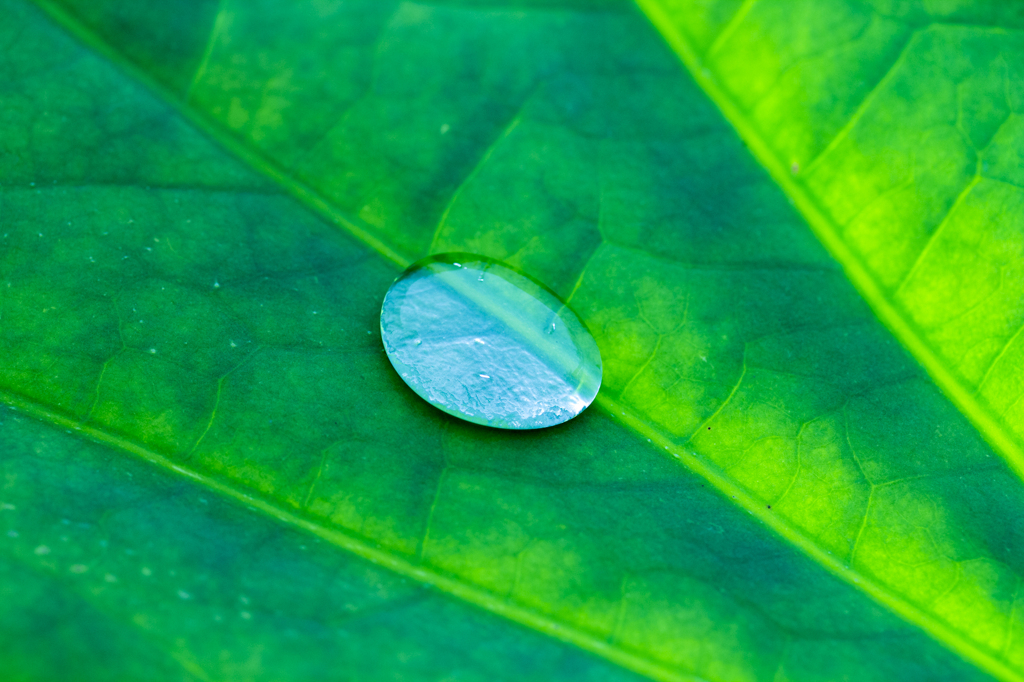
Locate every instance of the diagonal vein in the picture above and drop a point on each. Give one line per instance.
(475, 171)
(355, 545)
(829, 234)
(259, 162)
(219, 25)
(937, 234)
(865, 104)
(808, 545)
(737, 18)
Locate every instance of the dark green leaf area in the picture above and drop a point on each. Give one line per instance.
(40, 112)
(39, 641)
(113, 570)
(384, 114)
(170, 32)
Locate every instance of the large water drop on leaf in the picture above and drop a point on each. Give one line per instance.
(486, 343)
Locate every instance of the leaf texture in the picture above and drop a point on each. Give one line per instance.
(771, 488)
(114, 570)
(895, 126)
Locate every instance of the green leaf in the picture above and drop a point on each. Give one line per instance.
(202, 208)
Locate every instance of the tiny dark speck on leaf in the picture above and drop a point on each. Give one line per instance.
(769, 506)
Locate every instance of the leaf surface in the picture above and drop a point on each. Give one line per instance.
(897, 129)
(771, 489)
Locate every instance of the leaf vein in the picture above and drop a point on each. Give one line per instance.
(219, 24)
(866, 103)
(934, 236)
(348, 542)
(507, 130)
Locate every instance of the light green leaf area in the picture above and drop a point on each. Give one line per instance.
(202, 208)
(897, 125)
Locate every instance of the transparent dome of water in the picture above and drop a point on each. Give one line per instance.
(486, 343)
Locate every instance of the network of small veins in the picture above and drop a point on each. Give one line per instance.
(872, 485)
(978, 151)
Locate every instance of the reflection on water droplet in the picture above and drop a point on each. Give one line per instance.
(485, 348)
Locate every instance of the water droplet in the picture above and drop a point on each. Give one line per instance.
(486, 350)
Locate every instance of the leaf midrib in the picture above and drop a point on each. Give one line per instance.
(827, 232)
(315, 201)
